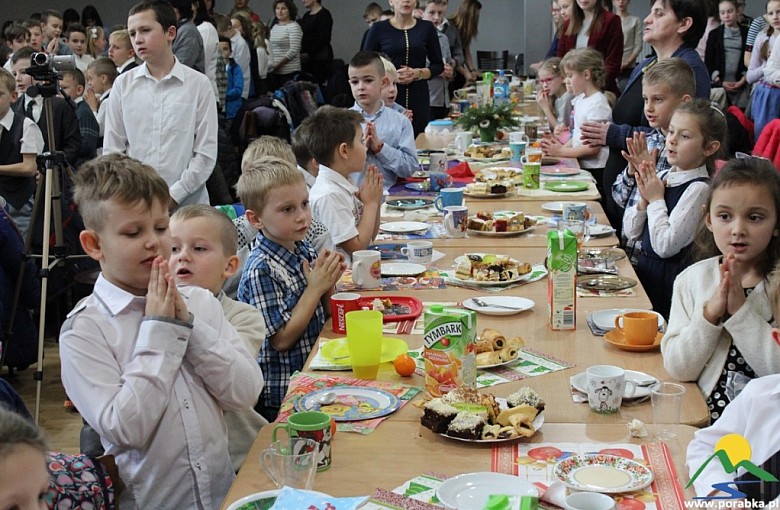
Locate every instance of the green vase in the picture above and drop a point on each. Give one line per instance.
(487, 135)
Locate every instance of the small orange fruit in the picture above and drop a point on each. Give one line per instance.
(404, 365)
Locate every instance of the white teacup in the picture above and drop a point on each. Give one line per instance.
(606, 385)
(589, 501)
(367, 269)
(420, 252)
(463, 140)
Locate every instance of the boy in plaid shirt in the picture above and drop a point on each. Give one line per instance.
(283, 276)
(665, 85)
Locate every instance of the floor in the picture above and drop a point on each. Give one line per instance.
(62, 425)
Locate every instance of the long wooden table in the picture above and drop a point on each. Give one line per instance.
(400, 450)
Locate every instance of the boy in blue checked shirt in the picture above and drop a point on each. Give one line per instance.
(665, 85)
(283, 276)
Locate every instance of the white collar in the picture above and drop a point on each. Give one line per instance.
(8, 119)
(337, 179)
(676, 177)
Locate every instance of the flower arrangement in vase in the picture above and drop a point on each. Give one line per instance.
(488, 119)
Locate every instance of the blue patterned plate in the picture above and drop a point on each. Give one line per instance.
(352, 403)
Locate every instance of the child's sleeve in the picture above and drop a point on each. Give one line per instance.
(236, 83)
(670, 233)
(219, 356)
(334, 210)
(124, 405)
(114, 134)
(400, 156)
(269, 294)
(32, 138)
(772, 66)
(634, 222)
(623, 187)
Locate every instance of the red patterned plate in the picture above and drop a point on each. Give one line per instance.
(404, 308)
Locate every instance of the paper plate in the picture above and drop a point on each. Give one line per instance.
(559, 171)
(263, 500)
(352, 403)
(580, 383)
(605, 319)
(617, 339)
(471, 491)
(403, 227)
(338, 350)
(402, 269)
(409, 204)
(522, 304)
(607, 282)
(607, 474)
(566, 186)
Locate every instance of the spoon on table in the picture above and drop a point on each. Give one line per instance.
(326, 399)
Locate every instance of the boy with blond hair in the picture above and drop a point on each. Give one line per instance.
(665, 85)
(149, 366)
(284, 277)
(335, 139)
(100, 77)
(389, 135)
(203, 254)
(120, 51)
(20, 144)
(390, 91)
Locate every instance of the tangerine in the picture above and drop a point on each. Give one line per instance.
(404, 365)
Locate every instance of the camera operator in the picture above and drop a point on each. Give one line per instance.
(67, 136)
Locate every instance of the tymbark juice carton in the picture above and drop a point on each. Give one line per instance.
(448, 349)
(562, 279)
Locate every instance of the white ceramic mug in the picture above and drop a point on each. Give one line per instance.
(420, 252)
(455, 219)
(606, 386)
(463, 140)
(438, 161)
(367, 269)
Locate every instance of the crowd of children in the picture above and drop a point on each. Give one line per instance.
(161, 360)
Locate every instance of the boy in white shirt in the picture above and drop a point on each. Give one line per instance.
(151, 367)
(77, 42)
(335, 139)
(100, 75)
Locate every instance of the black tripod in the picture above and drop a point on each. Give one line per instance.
(48, 192)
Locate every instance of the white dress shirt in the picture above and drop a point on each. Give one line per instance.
(210, 49)
(244, 60)
(32, 139)
(334, 203)
(154, 390)
(753, 415)
(37, 108)
(170, 124)
(670, 233)
(100, 114)
(592, 108)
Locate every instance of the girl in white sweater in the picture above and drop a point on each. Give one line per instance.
(721, 315)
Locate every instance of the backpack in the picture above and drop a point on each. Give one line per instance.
(78, 482)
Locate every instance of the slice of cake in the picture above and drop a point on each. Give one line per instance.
(485, 215)
(463, 269)
(516, 222)
(466, 426)
(525, 395)
(437, 415)
(502, 225)
(479, 224)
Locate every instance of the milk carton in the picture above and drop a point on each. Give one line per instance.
(448, 349)
(562, 279)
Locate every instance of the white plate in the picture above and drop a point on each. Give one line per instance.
(402, 269)
(492, 233)
(603, 473)
(487, 283)
(522, 304)
(605, 319)
(556, 207)
(259, 496)
(403, 227)
(356, 403)
(471, 491)
(600, 230)
(580, 383)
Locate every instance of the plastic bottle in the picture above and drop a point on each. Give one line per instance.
(501, 89)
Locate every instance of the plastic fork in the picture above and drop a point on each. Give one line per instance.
(482, 304)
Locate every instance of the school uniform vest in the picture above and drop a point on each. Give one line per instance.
(16, 190)
(657, 274)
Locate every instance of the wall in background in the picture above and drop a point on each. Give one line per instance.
(521, 26)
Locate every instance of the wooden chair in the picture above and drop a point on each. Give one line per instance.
(492, 60)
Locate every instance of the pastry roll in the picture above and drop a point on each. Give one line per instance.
(495, 337)
(515, 341)
(523, 424)
(488, 358)
(507, 433)
(491, 431)
(508, 353)
(483, 346)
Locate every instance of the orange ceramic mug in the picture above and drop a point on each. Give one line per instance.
(638, 328)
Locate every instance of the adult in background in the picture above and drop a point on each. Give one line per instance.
(593, 26)
(409, 43)
(286, 36)
(188, 45)
(466, 20)
(673, 28)
(243, 6)
(242, 24)
(316, 51)
(210, 37)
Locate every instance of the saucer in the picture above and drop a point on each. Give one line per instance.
(617, 339)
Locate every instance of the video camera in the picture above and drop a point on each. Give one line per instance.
(44, 67)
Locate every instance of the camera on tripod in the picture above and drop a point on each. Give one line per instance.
(46, 68)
